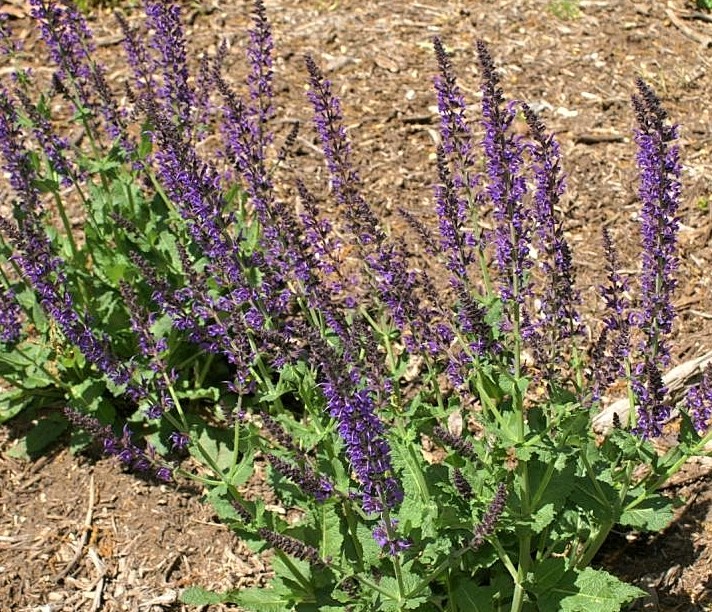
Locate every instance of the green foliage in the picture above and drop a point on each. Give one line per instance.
(704, 4)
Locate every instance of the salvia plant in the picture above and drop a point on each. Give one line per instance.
(434, 441)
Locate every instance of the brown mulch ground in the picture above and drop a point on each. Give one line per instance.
(142, 542)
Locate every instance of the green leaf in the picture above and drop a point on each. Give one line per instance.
(11, 404)
(467, 596)
(260, 599)
(371, 550)
(542, 518)
(198, 596)
(44, 433)
(586, 591)
(331, 541)
(653, 514)
(216, 442)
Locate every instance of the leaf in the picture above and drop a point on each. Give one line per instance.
(588, 590)
(40, 437)
(542, 518)
(216, 442)
(331, 541)
(11, 404)
(261, 599)
(198, 596)
(371, 549)
(470, 597)
(653, 514)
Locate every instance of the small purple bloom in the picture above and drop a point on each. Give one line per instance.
(388, 540)
(179, 440)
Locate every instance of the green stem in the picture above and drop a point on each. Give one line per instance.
(66, 224)
(395, 558)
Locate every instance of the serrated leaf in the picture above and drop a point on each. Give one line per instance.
(654, 514)
(371, 549)
(542, 518)
(260, 599)
(467, 596)
(198, 596)
(216, 442)
(331, 540)
(588, 590)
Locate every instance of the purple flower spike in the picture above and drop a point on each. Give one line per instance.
(659, 191)
(395, 283)
(122, 447)
(259, 80)
(699, 402)
(612, 349)
(304, 477)
(558, 315)
(10, 317)
(489, 521)
(455, 131)
(652, 413)
(163, 16)
(506, 184)
(292, 546)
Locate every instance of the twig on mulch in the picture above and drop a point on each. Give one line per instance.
(591, 138)
(85, 535)
(698, 16)
(705, 41)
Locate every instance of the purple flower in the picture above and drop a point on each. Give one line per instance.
(168, 40)
(506, 184)
(292, 546)
(558, 315)
(456, 133)
(358, 425)
(179, 440)
(122, 447)
(42, 269)
(388, 540)
(652, 413)
(699, 402)
(259, 52)
(455, 241)
(462, 486)
(70, 43)
(489, 521)
(10, 317)
(69, 40)
(387, 264)
(612, 349)
(304, 477)
(659, 191)
(461, 445)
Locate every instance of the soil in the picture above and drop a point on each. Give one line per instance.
(78, 534)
